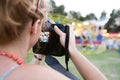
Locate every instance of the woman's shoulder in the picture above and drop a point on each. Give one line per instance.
(35, 72)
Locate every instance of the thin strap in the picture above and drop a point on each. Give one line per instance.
(67, 54)
(8, 72)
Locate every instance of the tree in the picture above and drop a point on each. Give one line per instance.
(91, 16)
(103, 15)
(76, 15)
(112, 25)
(53, 5)
(60, 10)
(57, 9)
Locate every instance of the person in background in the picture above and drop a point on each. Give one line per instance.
(20, 27)
(119, 46)
(99, 36)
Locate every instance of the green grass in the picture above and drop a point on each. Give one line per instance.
(108, 61)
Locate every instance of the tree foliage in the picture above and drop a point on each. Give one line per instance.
(103, 15)
(111, 25)
(58, 13)
(57, 9)
(91, 16)
(76, 15)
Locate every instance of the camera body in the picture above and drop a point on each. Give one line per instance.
(52, 45)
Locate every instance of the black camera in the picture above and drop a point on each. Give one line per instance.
(49, 43)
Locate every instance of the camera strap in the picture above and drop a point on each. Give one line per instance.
(67, 55)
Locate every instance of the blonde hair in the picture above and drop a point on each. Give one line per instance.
(15, 14)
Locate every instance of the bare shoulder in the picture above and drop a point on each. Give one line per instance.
(35, 72)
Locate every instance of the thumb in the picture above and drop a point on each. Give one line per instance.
(58, 31)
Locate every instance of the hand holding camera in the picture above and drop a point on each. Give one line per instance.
(55, 43)
(71, 37)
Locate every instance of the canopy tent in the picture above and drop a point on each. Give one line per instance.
(100, 22)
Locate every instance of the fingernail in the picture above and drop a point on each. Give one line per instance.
(55, 26)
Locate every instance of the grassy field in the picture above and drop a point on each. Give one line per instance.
(108, 61)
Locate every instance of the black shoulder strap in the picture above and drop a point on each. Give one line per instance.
(67, 55)
(55, 64)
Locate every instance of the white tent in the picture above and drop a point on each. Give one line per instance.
(99, 23)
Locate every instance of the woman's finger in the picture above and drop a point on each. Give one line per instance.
(58, 31)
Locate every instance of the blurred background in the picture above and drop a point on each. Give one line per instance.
(97, 30)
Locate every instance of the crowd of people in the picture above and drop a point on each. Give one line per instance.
(86, 39)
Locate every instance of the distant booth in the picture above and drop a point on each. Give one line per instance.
(90, 32)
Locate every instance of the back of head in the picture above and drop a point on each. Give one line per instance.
(15, 14)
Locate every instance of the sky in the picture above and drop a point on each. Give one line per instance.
(90, 6)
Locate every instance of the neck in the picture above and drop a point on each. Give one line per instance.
(18, 48)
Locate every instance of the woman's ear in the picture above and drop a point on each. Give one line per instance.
(35, 27)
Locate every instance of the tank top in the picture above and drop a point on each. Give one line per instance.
(8, 72)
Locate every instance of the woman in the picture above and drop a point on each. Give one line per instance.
(20, 28)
